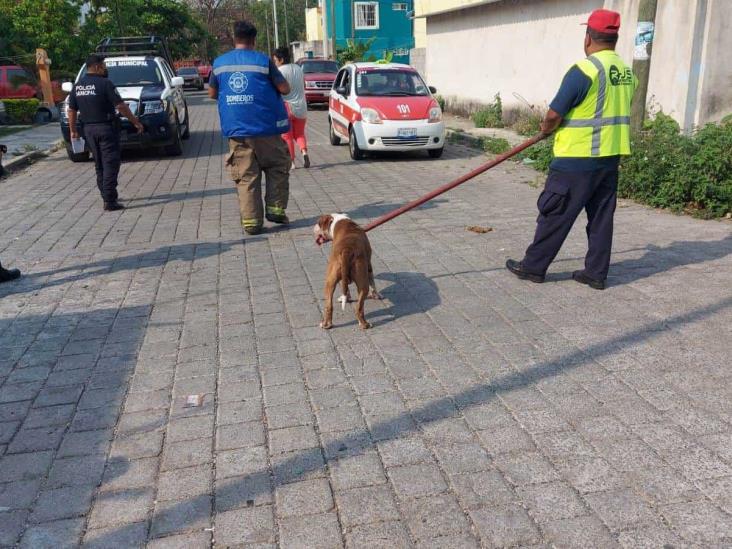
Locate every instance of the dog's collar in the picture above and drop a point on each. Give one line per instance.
(336, 219)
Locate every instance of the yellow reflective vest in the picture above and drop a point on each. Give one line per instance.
(600, 125)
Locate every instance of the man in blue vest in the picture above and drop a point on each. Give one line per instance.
(249, 89)
(591, 117)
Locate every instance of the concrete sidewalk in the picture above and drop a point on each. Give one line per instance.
(480, 411)
(36, 138)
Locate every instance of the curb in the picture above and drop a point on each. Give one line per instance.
(23, 160)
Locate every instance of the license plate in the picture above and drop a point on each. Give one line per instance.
(406, 133)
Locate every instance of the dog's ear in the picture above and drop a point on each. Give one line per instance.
(324, 222)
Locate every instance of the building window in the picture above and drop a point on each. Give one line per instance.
(399, 6)
(367, 15)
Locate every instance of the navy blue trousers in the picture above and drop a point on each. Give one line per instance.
(103, 142)
(565, 195)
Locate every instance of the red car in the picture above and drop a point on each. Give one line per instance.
(17, 82)
(204, 70)
(319, 77)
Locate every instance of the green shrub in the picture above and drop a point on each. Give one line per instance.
(495, 145)
(691, 173)
(538, 156)
(21, 111)
(490, 116)
(440, 101)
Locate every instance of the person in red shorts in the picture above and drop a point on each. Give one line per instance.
(297, 107)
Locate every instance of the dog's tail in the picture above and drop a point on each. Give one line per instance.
(345, 263)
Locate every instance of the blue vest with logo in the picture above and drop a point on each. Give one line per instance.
(249, 104)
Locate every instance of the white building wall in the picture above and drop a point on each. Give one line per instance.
(525, 47)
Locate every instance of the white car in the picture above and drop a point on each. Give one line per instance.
(384, 107)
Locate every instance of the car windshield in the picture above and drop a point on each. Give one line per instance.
(310, 67)
(188, 70)
(125, 72)
(390, 83)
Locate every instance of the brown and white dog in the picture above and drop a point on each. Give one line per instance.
(350, 261)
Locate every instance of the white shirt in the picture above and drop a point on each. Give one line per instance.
(296, 98)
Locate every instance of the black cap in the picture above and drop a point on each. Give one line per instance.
(94, 59)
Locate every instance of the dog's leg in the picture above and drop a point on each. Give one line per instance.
(374, 294)
(362, 293)
(331, 279)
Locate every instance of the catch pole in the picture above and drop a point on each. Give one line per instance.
(459, 181)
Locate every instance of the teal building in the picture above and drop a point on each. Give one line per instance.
(389, 23)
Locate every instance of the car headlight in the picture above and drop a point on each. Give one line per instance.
(310, 84)
(435, 114)
(370, 116)
(152, 107)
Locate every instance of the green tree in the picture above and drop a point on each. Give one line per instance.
(355, 50)
(52, 25)
(174, 21)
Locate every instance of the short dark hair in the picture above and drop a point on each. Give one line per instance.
(283, 53)
(602, 37)
(94, 59)
(245, 32)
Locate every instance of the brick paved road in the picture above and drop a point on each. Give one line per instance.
(480, 410)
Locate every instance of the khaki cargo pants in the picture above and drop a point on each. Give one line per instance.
(250, 156)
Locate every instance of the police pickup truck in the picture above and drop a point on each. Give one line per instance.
(141, 70)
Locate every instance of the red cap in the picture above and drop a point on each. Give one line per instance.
(604, 21)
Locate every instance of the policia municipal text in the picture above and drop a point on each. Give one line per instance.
(249, 89)
(96, 98)
(591, 117)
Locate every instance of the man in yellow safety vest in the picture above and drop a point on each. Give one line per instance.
(591, 117)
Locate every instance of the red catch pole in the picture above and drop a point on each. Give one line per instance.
(459, 181)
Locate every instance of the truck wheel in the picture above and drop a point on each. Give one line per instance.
(76, 157)
(435, 153)
(176, 147)
(187, 133)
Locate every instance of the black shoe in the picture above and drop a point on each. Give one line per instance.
(516, 268)
(113, 206)
(582, 278)
(6, 275)
(306, 160)
(253, 230)
(279, 219)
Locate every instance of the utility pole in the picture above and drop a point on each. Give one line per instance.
(287, 27)
(276, 31)
(333, 28)
(266, 24)
(642, 60)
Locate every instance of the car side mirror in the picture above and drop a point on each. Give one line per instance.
(342, 90)
(67, 87)
(177, 81)
(432, 89)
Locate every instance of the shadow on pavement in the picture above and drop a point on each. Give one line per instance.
(32, 281)
(363, 212)
(659, 259)
(255, 488)
(156, 200)
(83, 363)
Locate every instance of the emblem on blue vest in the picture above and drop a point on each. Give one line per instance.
(238, 82)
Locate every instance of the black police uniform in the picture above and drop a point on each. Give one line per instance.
(95, 97)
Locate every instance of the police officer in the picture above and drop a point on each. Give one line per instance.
(249, 89)
(96, 97)
(591, 117)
